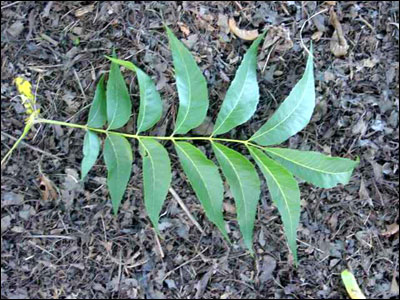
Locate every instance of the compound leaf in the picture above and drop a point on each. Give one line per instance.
(119, 104)
(243, 94)
(285, 193)
(245, 186)
(191, 85)
(316, 168)
(293, 114)
(206, 181)
(98, 110)
(91, 150)
(156, 177)
(150, 107)
(118, 158)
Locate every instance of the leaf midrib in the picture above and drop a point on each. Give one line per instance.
(116, 157)
(98, 106)
(280, 189)
(144, 103)
(203, 181)
(240, 183)
(152, 168)
(188, 83)
(114, 92)
(237, 101)
(287, 116)
(305, 166)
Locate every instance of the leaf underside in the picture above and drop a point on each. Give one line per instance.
(244, 184)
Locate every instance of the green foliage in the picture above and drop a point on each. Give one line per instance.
(279, 166)
(191, 85)
(206, 181)
(119, 105)
(118, 158)
(242, 96)
(284, 192)
(91, 150)
(293, 114)
(156, 177)
(245, 186)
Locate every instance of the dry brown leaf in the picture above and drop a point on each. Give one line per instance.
(280, 36)
(80, 12)
(391, 230)
(47, 188)
(332, 3)
(248, 35)
(339, 44)
(185, 30)
(317, 36)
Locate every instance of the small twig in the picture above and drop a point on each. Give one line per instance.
(65, 237)
(160, 250)
(11, 4)
(183, 264)
(302, 28)
(185, 209)
(80, 85)
(29, 146)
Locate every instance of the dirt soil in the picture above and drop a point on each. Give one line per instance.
(67, 244)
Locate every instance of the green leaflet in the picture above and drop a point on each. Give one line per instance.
(316, 168)
(245, 186)
(118, 158)
(91, 149)
(293, 114)
(98, 110)
(119, 104)
(206, 181)
(150, 108)
(156, 177)
(243, 94)
(191, 85)
(284, 192)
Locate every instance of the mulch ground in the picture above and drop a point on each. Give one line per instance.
(71, 246)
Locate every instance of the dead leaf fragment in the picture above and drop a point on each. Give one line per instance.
(391, 230)
(47, 188)
(278, 36)
(317, 36)
(80, 12)
(248, 35)
(223, 23)
(16, 28)
(332, 3)
(185, 30)
(351, 285)
(338, 43)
